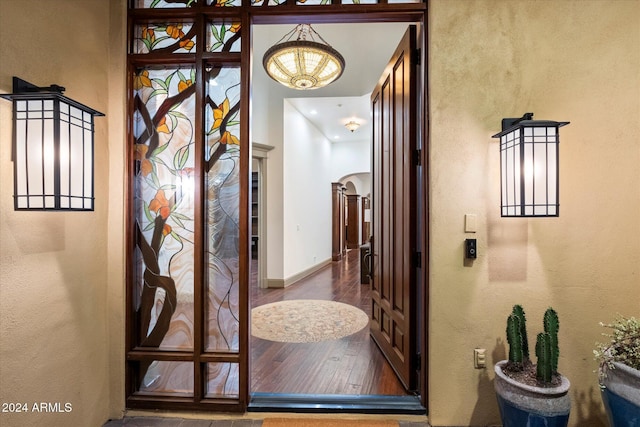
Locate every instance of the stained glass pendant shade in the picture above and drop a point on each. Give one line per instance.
(308, 62)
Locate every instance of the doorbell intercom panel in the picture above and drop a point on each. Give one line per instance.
(470, 249)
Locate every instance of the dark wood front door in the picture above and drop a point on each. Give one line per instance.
(394, 106)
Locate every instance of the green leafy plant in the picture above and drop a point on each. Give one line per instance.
(547, 349)
(623, 345)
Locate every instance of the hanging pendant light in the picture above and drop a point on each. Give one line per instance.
(308, 62)
(352, 125)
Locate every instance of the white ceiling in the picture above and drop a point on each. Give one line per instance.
(366, 49)
(330, 115)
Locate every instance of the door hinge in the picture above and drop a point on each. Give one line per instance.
(417, 157)
(417, 361)
(417, 57)
(418, 259)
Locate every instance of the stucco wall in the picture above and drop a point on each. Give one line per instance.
(61, 274)
(563, 60)
(54, 342)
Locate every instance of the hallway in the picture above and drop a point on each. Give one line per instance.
(351, 365)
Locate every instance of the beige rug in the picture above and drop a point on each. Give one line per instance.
(303, 321)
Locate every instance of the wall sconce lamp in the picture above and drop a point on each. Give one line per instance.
(352, 125)
(529, 167)
(52, 149)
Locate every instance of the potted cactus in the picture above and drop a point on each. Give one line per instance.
(532, 395)
(619, 371)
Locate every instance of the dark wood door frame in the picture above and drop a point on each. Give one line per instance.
(410, 13)
(337, 221)
(247, 14)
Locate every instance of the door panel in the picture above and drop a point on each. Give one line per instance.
(394, 111)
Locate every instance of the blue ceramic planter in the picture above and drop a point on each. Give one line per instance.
(621, 396)
(513, 416)
(620, 411)
(526, 406)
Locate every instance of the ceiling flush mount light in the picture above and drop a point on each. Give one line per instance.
(53, 149)
(529, 167)
(306, 62)
(352, 125)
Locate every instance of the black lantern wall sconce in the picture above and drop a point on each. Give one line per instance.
(52, 149)
(529, 185)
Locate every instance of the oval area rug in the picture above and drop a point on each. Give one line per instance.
(304, 321)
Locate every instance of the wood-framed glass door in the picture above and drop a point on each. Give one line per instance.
(188, 198)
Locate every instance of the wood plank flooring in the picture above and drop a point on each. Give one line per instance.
(351, 365)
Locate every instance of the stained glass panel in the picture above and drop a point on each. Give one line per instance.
(222, 210)
(270, 2)
(163, 206)
(312, 2)
(223, 380)
(222, 3)
(174, 38)
(162, 4)
(174, 378)
(224, 37)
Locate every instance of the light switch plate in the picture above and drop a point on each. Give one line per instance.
(470, 221)
(479, 358)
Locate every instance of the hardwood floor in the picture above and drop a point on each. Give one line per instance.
(351, 365)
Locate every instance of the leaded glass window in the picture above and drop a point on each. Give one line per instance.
(222, 187)
(174, 37)
(223, 36)
(163, 146)
(184, 332)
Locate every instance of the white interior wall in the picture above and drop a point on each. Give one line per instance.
(266, 128)
(307, 194)
(349, 158)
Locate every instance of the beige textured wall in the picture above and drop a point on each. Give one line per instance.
(61, 274)
(54, 342)
(563, 60)
(117, 188)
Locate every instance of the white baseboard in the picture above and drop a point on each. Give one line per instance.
(283, 283)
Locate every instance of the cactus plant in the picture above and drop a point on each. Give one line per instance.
(519, 312)
(551, 326)
(514, 338)
(547, 350)
(543, 353)
(527, 393)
